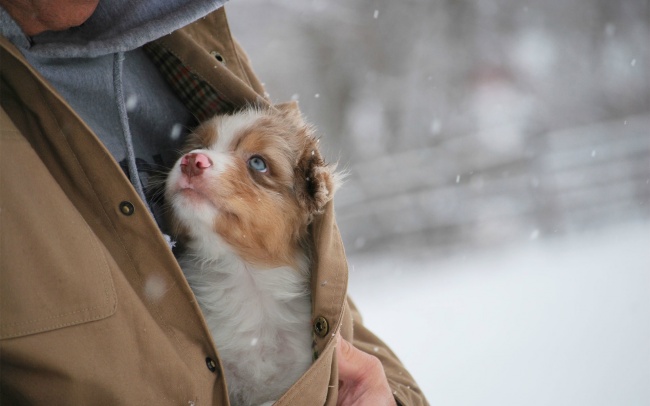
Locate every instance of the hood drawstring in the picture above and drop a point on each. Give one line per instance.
(118, 63)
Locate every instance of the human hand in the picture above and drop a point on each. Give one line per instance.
(362, 380)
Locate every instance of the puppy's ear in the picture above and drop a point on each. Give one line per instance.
(316, 181)
(291, 111)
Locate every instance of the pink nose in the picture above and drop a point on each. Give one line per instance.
(194, 164)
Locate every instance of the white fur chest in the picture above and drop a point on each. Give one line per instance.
(260, 320)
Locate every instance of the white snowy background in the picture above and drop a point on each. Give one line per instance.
(497, 210)
(560, 322)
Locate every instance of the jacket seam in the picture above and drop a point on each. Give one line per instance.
(55, 327)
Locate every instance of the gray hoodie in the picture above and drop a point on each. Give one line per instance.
(101, 71)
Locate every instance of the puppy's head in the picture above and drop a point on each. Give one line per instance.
(254, 180)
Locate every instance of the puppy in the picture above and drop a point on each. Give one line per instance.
(241, 201)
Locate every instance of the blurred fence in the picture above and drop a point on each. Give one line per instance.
(573, 179)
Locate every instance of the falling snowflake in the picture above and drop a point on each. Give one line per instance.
(131, 102)
(177, 130)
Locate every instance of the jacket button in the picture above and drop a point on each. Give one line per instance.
(212, 366)
(127, 208)
(321, 326)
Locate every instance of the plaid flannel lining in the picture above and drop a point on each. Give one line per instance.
(199, 97)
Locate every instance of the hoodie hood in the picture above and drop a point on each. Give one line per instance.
(115, 26)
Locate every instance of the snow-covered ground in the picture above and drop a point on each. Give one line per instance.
(562, 321)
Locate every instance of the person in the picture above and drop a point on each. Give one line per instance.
(94, 309)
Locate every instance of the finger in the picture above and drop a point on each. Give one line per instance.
(362, 380)
(355, 365)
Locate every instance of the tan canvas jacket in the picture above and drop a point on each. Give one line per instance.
(77, 326)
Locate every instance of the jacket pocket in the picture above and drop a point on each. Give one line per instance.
(54, 272)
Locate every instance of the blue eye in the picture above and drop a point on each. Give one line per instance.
(257, 163)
